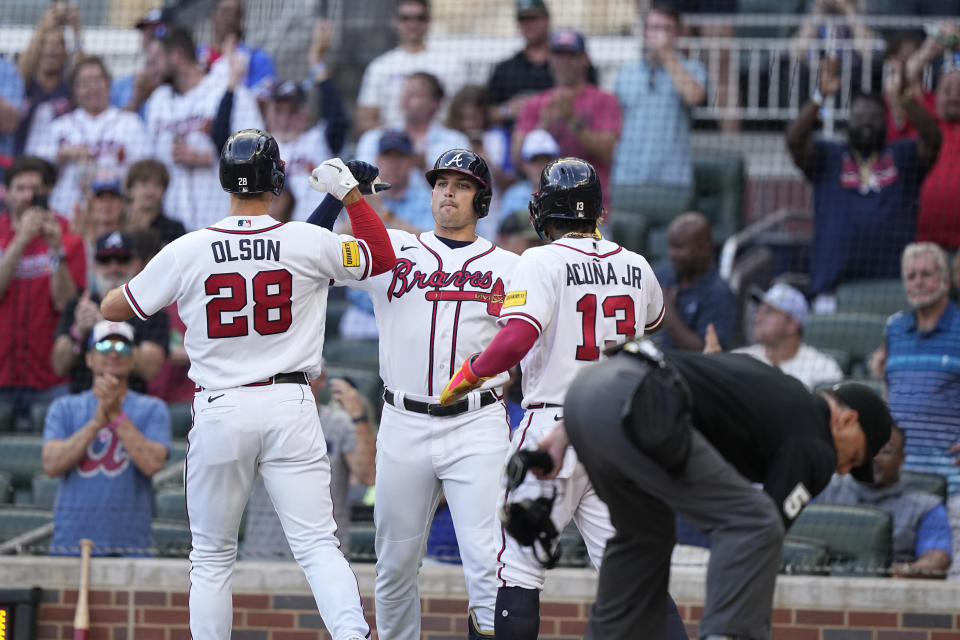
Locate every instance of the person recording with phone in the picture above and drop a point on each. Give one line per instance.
(42, 266)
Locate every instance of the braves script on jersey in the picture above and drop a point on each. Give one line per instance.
(435, 308)
(195, 196)
(115, 139)
(240, 284)
(581, 295)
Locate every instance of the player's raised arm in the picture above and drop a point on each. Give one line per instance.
(336, 179)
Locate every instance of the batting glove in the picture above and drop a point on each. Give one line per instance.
(368, 176)
(463, 382)
(333, 177)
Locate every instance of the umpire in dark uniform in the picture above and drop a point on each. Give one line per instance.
(689, 433)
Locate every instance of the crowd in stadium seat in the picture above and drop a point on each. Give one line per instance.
(99, 171)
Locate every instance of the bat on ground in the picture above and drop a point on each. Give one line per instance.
(81, 619)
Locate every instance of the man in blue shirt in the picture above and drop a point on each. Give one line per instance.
(922, 351)
(694, 294)
(11, 95)
(921, 530)
(105, 444)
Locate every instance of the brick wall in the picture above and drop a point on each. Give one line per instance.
(160, 615)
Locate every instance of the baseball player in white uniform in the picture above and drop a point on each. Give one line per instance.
(92, 139)
(180, 115)
(567, 301)
(439, 304)
(252, 292)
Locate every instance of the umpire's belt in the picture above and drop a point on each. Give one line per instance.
(436, 409)
(298, 377)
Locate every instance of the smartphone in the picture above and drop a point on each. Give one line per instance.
(40, 201)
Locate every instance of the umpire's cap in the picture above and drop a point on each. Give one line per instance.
(250, 163)
(470, 164)
(875, 421)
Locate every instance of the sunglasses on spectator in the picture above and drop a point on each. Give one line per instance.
(412, 17)
(119, 347)
(105, 260)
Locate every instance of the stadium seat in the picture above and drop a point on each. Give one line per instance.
(178, 451)
(169, 504)
(573, 548)
(719, 182)
(336, 307)
(352, 353)
(362, 537)
(171, 538)
(804, 556)
(43, 491)
(38, 414)
(181, 418)
(858, 334)
(6, 417)
(883, 297)
(929, 482)
(18, 519)
(858, 538)
(20, 456)
(642, 210)
(842, 358)
(6, 487)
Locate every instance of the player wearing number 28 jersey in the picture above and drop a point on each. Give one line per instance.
(252, 293)
(566, 302)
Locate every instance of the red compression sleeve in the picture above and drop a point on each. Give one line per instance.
(368, 226)
(506, 350)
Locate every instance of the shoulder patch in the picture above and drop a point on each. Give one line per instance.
(351, 253)
(515, 299)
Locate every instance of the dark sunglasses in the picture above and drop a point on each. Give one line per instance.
(105, 260)
(119, 347)
(412, 17)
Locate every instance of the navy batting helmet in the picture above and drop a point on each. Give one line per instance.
(468, 163)
(569, 190)
(250, 163)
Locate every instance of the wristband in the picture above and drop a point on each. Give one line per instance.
(116, 421)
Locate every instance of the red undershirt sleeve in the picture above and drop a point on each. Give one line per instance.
(506, 350)
(368, 226)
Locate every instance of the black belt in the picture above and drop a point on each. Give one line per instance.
(438, 410)
(543, 405)
(298, 377)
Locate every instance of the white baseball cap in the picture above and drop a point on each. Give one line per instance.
(789, 300)
(539, 142)
(106, 328)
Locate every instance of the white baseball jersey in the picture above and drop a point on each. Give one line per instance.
(253, 294)
(301, 155)
(581, 295)
(195, 196)
(435, 308)
(382, 83)
(116, 139)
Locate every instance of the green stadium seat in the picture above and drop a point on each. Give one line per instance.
(335, 310)
(181, 418)
(352, 353)
(573, 548)
(21, 457)
(38, 414)
(858, 334)
(169, 504)
(804, 556)
(6, 416)
(43, 491)
(171, 538)
(639, 210)
(858, 538)
(6, 487)
(362, 538)
(883, 297)
(929, 482)
(18, 519)
(719, 182)
(842, 358)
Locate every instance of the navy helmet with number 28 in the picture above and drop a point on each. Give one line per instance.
(250, 163)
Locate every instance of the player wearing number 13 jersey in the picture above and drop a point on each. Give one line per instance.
(252, 293)
(566, 302)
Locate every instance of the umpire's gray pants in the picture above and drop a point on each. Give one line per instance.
(746, 532)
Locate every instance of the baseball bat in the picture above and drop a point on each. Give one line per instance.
(81, 619)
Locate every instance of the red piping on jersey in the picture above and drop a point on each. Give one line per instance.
(368, 226)
(506, 495)
(433, 318)
(587, 253)
(507, 349)
(366, 254)
(136, 306)
(248, 232)
(523, 315)
(456, 316)
(657, 321)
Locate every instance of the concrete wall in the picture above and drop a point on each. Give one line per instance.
(147, 600)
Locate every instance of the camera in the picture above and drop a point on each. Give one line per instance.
(40, 201)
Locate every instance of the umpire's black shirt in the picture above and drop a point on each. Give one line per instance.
(763, 422)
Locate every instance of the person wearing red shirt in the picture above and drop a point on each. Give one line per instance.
(42, 266)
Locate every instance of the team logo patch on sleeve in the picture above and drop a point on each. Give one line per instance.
(351, 254)
(515, 299)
